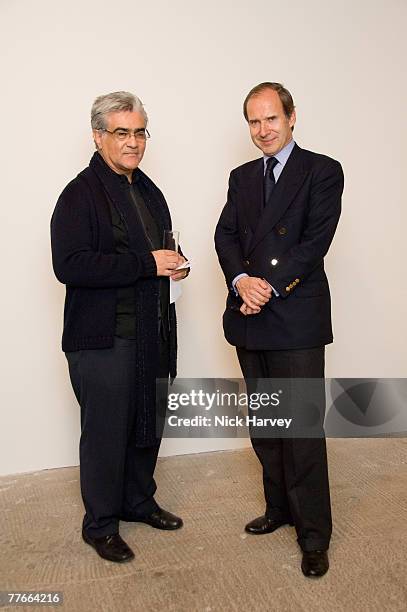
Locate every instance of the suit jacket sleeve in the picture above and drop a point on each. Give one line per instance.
(75, 258)
(227, 241)
(321, 221)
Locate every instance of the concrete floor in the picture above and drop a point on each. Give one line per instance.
(211, 565)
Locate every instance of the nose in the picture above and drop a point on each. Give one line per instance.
(264, 129)
(132, 141)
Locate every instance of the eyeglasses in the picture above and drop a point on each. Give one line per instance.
(121, 134)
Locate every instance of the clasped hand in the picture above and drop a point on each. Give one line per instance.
(255, 293)
(167, 262)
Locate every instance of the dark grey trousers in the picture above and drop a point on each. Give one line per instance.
(116, 476)
(295, 470)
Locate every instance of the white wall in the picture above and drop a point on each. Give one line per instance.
(192, 63)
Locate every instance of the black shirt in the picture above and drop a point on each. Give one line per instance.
(125, 305)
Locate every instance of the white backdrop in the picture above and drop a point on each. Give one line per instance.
(192, 63)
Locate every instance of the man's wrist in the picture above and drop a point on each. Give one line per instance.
(236, 280)
(275, 292)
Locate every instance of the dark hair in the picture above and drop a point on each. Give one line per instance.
(283, 93)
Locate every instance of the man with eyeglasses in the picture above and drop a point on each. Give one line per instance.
(119, 326)
(272, 236)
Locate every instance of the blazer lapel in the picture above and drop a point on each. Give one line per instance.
(287, 187)
(252, 201)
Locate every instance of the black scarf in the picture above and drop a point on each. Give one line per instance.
(101, 177)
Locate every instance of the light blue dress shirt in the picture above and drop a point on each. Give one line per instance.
(282, 157)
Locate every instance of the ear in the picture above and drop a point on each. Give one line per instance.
(97, 137)
(292, 119)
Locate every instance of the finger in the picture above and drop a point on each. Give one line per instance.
(251, 304)
(170, 269)
(252, 311)
(257, 291)
(261, 296)
(257, 300)
(266, 292)
(261, 283)
(178, 276)
(172, 259)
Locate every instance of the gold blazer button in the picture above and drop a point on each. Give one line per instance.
(282, 231)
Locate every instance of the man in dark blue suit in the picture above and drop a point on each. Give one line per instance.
(274, 231)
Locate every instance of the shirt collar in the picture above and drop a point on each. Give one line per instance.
(283, 155)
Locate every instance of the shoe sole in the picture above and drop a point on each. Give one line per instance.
(314, 575)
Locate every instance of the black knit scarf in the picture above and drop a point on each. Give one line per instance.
(146, 291)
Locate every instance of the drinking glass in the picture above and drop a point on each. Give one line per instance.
(171, 240)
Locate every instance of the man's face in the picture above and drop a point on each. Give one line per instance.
(270, 128)
(122, 156)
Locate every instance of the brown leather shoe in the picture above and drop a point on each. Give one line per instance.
(315, 563)
(110, 547)
(264, 524)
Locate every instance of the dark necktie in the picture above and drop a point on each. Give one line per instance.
(269, 180)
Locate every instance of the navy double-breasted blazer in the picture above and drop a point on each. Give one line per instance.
(285, 243)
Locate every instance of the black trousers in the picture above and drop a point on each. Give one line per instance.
(116, 476)
(295, 470)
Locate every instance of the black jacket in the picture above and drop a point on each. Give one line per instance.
(84, 257)
(85, 260)
(284, 243)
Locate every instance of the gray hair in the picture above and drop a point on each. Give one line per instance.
(114, 102)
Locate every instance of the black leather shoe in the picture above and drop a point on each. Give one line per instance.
(314, 563)
(263, 524)
(110, 547)
(161, 519)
